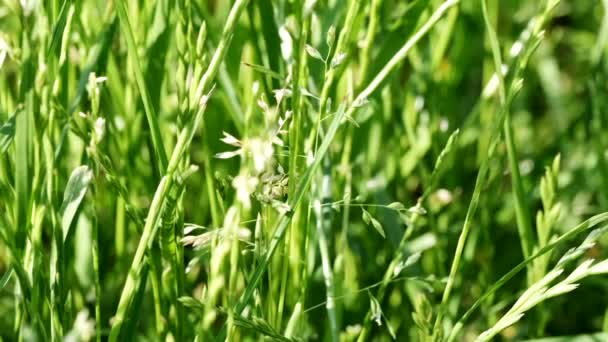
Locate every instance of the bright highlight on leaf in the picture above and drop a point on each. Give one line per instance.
(74, 193)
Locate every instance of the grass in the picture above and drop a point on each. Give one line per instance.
(430, 170)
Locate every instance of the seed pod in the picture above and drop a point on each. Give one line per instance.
(201, 39)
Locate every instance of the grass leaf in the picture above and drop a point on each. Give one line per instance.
(7, 132)
(369, 219)
(75, 190)
(6, 277)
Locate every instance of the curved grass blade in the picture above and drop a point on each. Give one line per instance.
(572, 233)
(55, 45)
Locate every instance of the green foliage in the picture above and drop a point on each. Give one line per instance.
(301, 170)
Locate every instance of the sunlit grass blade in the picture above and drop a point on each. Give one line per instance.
(151, 115)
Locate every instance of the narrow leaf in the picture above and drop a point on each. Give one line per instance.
(7, 133)
(375, 309)
(5, 278)
(58, 29)
(314, 53)
(369, 219)
(264, 70)
(74, 193)
(396, 206)
(378, 227)
(366, 216)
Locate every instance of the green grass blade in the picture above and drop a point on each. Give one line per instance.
(75, 190)
(7, 132)
(130, 289)
(524, 226)
(55, 45)
(568, 236)
(151, 115)
(283, 222)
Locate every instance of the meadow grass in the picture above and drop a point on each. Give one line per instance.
(303, 170)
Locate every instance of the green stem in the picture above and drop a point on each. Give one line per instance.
(505, 100)
(403, 52)
(524, 226)
(323, 227)
(370, 36)
(184, 139)
(96, 278)
(480, 180)
(151, 115)
(572, 233)
(304, 183)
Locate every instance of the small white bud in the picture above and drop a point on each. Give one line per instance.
(100, 128)
(338, 59)
(314, 53)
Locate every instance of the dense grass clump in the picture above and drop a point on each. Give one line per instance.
(302, 170)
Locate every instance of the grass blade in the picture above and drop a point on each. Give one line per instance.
(75, 190)
(151, 115)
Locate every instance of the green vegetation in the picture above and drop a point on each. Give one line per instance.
(303, 170)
